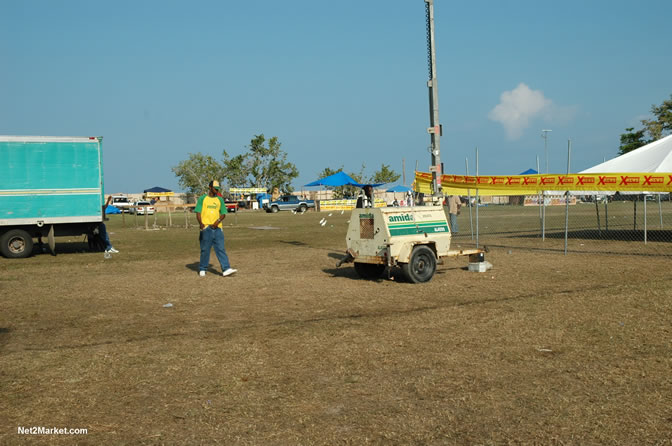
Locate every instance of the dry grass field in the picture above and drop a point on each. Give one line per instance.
(542, 349)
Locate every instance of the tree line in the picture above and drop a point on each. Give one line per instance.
(265, 166)
(652, 130)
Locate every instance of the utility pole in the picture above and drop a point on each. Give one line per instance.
(545, 136)
(434, 126)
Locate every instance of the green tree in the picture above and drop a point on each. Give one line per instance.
(268, 165)
(662, 124)
(385, 175)
(195, 173)
(631, 140)
(655, 128)
(236, 170)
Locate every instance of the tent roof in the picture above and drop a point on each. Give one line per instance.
(157, 189)
(653, 157)
(529, 172)
(399, 188)
(339, 179)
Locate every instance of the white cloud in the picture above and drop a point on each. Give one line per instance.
(518, 107)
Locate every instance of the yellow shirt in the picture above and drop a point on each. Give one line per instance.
(210, 209)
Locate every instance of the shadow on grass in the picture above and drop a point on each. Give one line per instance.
(622, 235)
(195, 268)
(294, 243)
(336, 255)
(4, 335)
(63, 248)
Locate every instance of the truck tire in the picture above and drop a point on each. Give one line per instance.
(421, 266)
(16, 244)
(274, 209)
(369, 270)
(303, 207)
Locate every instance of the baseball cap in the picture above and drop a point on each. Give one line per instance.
(214, 184)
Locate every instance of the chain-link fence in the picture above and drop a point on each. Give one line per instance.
(626, 224)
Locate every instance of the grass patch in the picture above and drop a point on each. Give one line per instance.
(542, 349)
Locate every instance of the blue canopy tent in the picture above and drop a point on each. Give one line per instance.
(335, 180)
(340, 179)
(399, 188)
(529, 172)
(157, 190)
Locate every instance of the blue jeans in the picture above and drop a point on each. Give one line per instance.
(210, 238)
(102, 229)
(453, 223)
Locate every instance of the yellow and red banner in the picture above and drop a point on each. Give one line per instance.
(528, 184)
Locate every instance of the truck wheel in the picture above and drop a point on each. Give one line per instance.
(421, 266)
(16, 244)
(369, 270)
(303, 208)
(274, 209)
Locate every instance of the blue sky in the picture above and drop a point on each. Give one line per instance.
(339, 83)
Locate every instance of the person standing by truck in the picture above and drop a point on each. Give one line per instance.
(102, 229)
(210, 211)
(454, 205)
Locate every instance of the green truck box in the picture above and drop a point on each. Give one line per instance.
(49, 186)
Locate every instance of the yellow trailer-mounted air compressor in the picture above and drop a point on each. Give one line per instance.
(413, 238)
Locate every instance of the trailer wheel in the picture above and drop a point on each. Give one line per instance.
(369, 270)
(16, 244)
(421, 266)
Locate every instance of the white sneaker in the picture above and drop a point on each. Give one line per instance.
(229, 271)
(112, 250)
(201, 273)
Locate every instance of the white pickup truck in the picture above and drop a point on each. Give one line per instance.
(121, 202)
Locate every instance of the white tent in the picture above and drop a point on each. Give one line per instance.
(653, 157)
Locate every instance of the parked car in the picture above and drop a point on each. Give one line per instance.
(121, 202)
(289, 203)
(231, 206)
(142, 207)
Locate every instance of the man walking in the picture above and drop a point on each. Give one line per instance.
(210, 211)
(454, 205)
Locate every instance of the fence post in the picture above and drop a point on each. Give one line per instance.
(569, 157)
(471, 217)
(645, 228)
(477, 197)
(597, 211)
